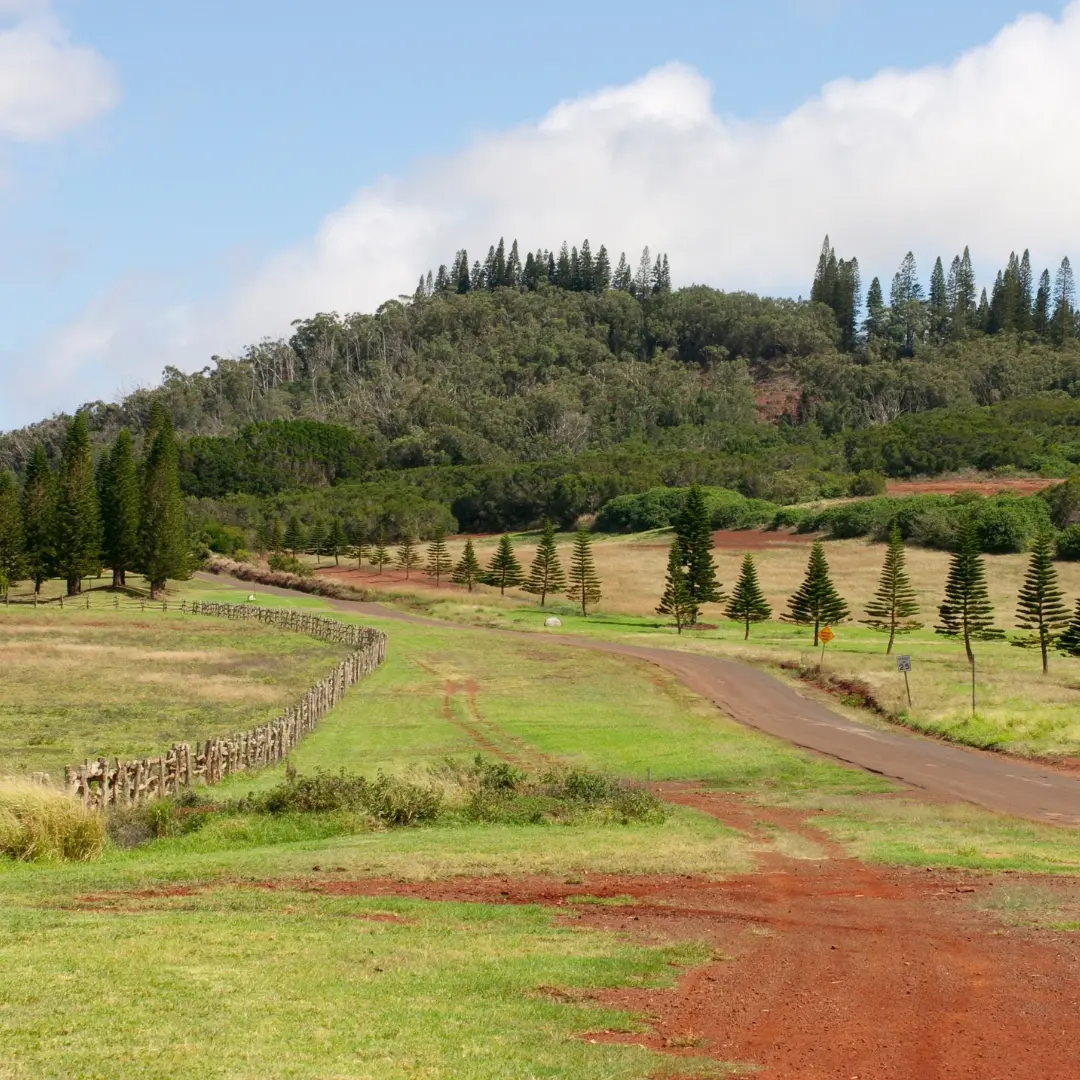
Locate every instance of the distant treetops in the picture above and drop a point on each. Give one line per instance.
(577, 270)
(71, 522)
(950, 308)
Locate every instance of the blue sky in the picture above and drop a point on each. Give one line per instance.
(238, 127)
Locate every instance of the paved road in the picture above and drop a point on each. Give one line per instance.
(756, 699)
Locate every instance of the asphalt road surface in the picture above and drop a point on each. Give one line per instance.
(758, 700)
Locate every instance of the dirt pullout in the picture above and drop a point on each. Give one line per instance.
(823, 967)
(987, 485)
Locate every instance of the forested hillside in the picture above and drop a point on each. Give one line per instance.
(510, 388)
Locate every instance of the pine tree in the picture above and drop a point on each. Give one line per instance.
(119, 498)
(966, 610)
(468, 571)
(939, 304)
(1063, 321)
(504, 570)
(817, 603)
(360, 546)
(295, 540)
(439, 563)
(1041, 314)
(676, 600)
(317, 539)
(379, 555)
(1068, 642)
(276, 536)
(583, 584)
(162, 539)
(1041, 603)
(601, 277)
(11, 532)
(876, 326)
(546, 573)
(336, 540)
(894, 603)
(407, 555)
(693, 528)
(38, 507)
(76, 522)
(747, 604)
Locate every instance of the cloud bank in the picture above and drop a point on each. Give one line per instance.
(47, 84)
(983, 151)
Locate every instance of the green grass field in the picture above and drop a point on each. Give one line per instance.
(83, 683)
(230, 980)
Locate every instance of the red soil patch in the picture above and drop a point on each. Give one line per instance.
(822, 968)
(983, 486)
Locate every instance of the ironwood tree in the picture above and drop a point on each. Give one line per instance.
(468, 570)
(894, 603)
(76, 521)
(582, 581)
(817, 603)
(504, 570)
(748, 604)
(118, 497)
(693, 530)
(1041, 603)
(163, 552)
(676, 600)
(546, 573)
(966, 611)
(439, 563)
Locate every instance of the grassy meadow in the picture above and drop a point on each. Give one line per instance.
(81, 683)
(193, 970)
(1019, 710)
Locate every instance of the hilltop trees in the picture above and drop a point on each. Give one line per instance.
(546, 573)
(817, 603)
(582, 581)
(118, 497)
(504, 570)
(1041, 603)
(894, 604)
(747, 604)
(77, 523)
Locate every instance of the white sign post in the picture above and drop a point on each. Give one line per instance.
(903, 664)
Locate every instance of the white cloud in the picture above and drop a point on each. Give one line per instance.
(47, 84)
(982, 152)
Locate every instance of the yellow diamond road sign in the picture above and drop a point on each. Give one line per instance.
(826, 634)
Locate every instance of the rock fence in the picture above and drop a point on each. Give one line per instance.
(100, 784)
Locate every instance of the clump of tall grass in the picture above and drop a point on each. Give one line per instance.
(39, 823)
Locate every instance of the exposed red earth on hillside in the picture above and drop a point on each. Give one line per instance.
(981, 485)
(822, 966)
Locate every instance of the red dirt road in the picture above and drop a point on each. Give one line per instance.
(981, 485)
(823, 968)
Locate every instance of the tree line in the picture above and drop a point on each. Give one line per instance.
(949, 309)
(125, 514)
(570, 269)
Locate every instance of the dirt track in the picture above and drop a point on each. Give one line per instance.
(755, 698)
(824, 968)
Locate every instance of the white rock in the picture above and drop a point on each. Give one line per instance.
(552, 621)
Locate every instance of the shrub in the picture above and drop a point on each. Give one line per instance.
(659, 507)
(390, 800)
(39, 823)
(1068, 543)
(287, 564)
(867, 482)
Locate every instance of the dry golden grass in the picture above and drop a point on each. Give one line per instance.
(40, 823)
(80, 683)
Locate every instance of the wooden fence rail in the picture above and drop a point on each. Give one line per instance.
(101, 784)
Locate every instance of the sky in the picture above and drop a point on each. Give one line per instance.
(180, 179)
